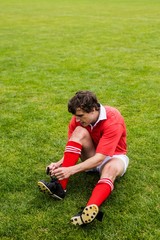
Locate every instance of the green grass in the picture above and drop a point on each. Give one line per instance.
(49, 50)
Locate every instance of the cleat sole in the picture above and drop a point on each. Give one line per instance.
(43, 188)
(88, 214)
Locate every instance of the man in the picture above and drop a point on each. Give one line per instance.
(97, 135)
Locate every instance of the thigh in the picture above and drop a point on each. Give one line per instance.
(114, 167)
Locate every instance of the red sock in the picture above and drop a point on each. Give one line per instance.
(71, 156)
(101, 191)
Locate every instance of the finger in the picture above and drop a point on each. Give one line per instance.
(58, 175)
(61, 178)
(52, 175)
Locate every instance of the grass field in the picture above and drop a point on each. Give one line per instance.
(49, 50)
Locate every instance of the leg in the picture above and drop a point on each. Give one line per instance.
(112, 169)
(82, 136)
(108, 172)
(80, 144)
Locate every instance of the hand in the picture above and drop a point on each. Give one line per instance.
(62, 172)
(51, 167)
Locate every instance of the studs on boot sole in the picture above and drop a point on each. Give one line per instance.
(89, 213)
(87, 216)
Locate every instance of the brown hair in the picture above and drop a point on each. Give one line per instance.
(84, 100)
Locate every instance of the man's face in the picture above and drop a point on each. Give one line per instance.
(86, 118)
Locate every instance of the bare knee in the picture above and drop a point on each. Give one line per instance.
(112, 169)
(79, 134)
(82, 136)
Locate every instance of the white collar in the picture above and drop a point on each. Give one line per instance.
(102, 116)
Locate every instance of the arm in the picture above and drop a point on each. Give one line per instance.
(89, 163)
(66, 172)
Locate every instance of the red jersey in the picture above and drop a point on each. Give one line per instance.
(108, 133)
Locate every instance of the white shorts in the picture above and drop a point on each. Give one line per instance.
(124, 158)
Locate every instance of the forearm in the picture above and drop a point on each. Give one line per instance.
(65, 172)
(88, 164)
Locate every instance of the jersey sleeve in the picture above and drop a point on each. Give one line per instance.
(110, 139)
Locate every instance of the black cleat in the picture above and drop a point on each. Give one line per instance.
(86, 216)
(54, 189)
